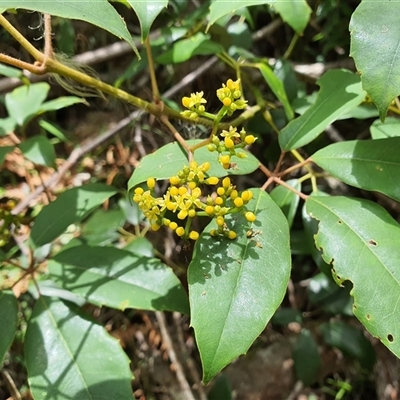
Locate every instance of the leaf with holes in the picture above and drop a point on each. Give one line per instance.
(366, 164)
(375, 36)
(235, 286)
(361, 242)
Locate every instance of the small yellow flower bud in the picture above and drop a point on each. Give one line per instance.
(249, 139)
(151, 183)
(139, 190)
(205, 166)
(180, 231)
(155, 227)
(166, 221)
(194, 235)
(173, 225)
(182, 214)
(229, 143)
(232, 235)
(238, 202)
(226, 101)
(220, 221)
(226, 166)
(225, 159)
(212, 180)
(209, 210)
(174, 180)
(219, 201)
(182, 190)
(192, 185)
(192, 213)
(211, 147)
(220, 191)
(193, 165)
(234, 194)
(170, 205)
(214, 232)
(173, 191)
(226, 182)
(247, 195)
(250, 216)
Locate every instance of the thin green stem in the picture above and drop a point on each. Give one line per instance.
(152, 73)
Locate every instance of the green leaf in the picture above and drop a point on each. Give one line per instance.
(306, 357)
(102, 14)
(340, 92)
(286, 199)
(220, 8)
(235, 286)
(375, 35)
(360, 239)
(8, 321)
(295, 12)
(39, 150)
(7, 125)
(69, 356)
(169, 159)
(70, 207)
(284, 316)
(382, 130)
(60, 102)
(350, 341)
(366, 164)
(147, 12)
(277, 88)
(140, 246)
(185, 49)
(119, 279)
(4, 150)
(10, 72)
(25, 101)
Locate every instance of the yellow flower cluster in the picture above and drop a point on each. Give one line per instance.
(229, 95)
(185, 199)
(231, 142)
(194, 104)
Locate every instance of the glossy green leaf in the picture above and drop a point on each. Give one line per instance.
(295, 12)
(8, 321)
(360, 240)
(4, 150)
(103, 14)
(375, 35)
(306, 357)
(70, 207)
(340, 92)
(25, 101)
(235, 286)
(366, 164)
(140, 246)
(60, 102)
(147, 12)
(10, 72)
(39, 150)
(277, 88)
(169, 159)
(287, 200)
(350, 340)
(220, 8)
(183, 50)
(118, 279)
(69, 356)
(383, 130)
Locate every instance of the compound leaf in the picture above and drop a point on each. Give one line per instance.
(360, 240)
(235, 286)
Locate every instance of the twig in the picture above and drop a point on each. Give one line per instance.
(91, 143)
(174, 359)
(16, 395)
